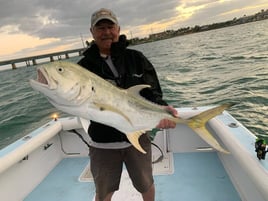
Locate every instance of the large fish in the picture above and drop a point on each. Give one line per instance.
(77, 91)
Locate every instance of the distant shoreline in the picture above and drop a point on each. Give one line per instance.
(262, 15)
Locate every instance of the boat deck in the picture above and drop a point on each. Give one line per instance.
(197, 176)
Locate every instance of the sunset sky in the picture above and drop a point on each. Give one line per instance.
(33, 27)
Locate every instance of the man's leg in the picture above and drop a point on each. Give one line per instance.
(107, 198)
(106, 167)
(139, 168)
(149, 195)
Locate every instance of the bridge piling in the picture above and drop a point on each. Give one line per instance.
(13, 66)
(27, 63)
(51, 58)
(34, 62)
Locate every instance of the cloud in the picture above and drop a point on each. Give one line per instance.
(26, 41)
(64, 18)
(62, 22)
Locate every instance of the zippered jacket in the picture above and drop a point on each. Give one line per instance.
(133, 68)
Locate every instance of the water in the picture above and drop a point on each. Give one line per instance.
(224, 65)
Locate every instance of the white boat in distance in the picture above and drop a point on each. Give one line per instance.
(52, 164)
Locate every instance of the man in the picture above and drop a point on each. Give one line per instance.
(109, 58)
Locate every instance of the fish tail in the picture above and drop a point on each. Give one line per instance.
(198, 124)
(210, 113)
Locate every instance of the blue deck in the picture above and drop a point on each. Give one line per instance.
(197, 177)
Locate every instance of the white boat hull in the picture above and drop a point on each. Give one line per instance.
(29, 162)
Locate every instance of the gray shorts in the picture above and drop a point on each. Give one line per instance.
(107, 164)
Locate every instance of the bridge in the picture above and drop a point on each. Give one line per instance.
(34, 59)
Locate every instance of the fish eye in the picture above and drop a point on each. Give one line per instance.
(60, 69)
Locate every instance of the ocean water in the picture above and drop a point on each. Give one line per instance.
(207, 68)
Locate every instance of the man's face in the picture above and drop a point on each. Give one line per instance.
(105, 33)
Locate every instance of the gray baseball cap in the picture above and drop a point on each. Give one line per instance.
(102, 14)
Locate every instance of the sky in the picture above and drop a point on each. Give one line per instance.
(34, 27)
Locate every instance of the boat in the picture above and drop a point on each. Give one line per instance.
(52, 164)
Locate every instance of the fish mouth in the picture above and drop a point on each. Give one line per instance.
(41, 78)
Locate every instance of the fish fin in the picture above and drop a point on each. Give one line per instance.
(198, 122)
(210, 113)
(85, 123)
(104, 107)
(134, 140)
(205, 135)
(135, 90)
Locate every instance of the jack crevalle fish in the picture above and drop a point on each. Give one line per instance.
(77, 91)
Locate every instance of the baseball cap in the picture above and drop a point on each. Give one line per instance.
(102, 14)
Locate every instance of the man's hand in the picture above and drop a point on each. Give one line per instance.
(165, 123)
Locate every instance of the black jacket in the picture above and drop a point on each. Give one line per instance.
(133, 69)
